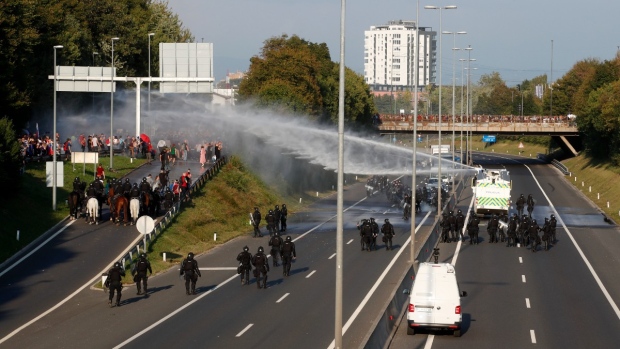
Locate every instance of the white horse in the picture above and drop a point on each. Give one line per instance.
(92, 208)
(134, 209)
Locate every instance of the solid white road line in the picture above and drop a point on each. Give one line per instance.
(533, 336)
(243, 331)
(350, 241)
(376, 285)
(612, 303)
(521, 260)
(309, 275)
(36, 249)
(458, 245)
(523, 278)
(429, 341)
(281, 298)
(527, 303)
(219, 268)
(332, 256)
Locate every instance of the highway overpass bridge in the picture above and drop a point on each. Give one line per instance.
(564, 133)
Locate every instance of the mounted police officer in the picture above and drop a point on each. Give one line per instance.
(145, 186)
(245, 265)
(256, 216)
(283, 217)
(113, 282)
(276, 244)
(388, 233)
(139, 273)
(126, 188)
(270, 218)
(261, 265)
(288, 254)
(189, 268)
(134, 192)
(168, 198)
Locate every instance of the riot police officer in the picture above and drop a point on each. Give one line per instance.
(375, 232)
(145, 186)
(245, 259)
(388, 233)
(492, 227)
(139, 273)
(530, 204)
(113, 282)
(512, 231)
(552, 225)
(278, 214)
(520, 204)
(452, 226)
(546, 237)
(276, 243)
(134, 192)
(256, 217)
(189, 268)
(523, 230)
(533, 235)
(445, 228)
(473, 228)
(460, 222)
(288, 254)
(283, 217)
(261, 265)
(126, 188)
(270, 218)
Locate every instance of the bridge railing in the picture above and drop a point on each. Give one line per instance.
(560, 166)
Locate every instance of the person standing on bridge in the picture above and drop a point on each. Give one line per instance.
(261, 265)
(139, 274)
(113, 282)
(189, 268)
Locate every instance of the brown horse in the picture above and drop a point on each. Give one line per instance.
(118, 203)
(75, 206)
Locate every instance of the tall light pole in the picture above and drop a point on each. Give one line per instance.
(93, 108)
(462, 60)
(149, 95)
(470, 107)
(551, 87)
(454, 49)
(55, 146)
(112, 107)
(440, 8)
(468, 151)
(416, 77)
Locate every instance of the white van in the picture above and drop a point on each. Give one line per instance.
(435, 299)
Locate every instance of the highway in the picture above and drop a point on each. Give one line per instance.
(547, 299)
(515, 297)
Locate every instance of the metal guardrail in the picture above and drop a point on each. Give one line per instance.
(128, 257)
(560, 166)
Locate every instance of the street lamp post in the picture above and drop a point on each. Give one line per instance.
(416, 76)
(440, 8)
(112, 107)
(454, 49)
(93, 108)
(55, 146)
(468, 151)
(149, 95)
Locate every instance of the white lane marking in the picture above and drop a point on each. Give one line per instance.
(458, 245)
(429, 341)
(332, 256)
(523, 278)
(527, 303)
(613, 304)
(376, 285)
(350, 241)
(36, 249)
(178, 310)
(245, 329)
(521, 260)
(281, 298)
(309, 275)
(219, 268)
(87, 284)
(533, 336)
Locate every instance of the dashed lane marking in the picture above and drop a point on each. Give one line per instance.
(527, 303)
(309, 275)
(523, 278)
(219, 268)
(521, 260)
(281, 298)
(350, 241)
(533, 336)
(332, 256)
(244, 330)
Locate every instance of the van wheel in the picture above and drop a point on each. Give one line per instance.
(410, 331)
(457, 333)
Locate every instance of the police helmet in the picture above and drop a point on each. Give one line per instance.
(167, 189)
(276, 234)
(533, 221)
(117, 265)
(261, 249)
(459, 211)
(270, 211)
(288, 238)
(143, 179)
(143, 255)
(283, 205)
(255, 208)
(190, 256)
(246, 249)
(552, 216)
(135, 185)
(126, 180)
(451, 213)
(277, 207)
(521, 195)
(91, 185)
(77, 179)
(387, 220)
(546, 219)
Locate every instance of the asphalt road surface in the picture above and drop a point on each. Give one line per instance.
(562, 298)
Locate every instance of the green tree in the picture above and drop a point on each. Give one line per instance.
(10, 158)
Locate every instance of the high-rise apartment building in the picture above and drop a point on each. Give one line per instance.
(389, 56)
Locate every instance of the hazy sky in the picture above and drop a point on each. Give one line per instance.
(507, 36)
